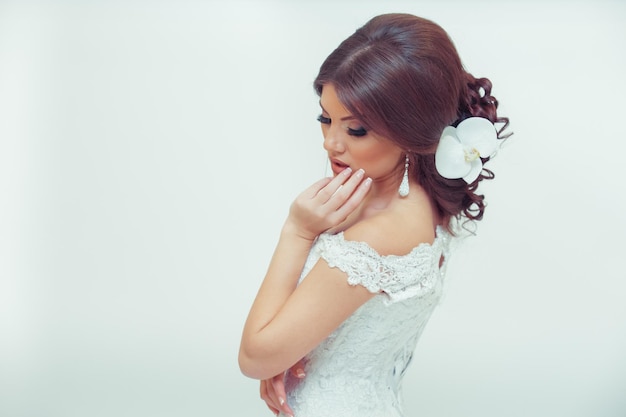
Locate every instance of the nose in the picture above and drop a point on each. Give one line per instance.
(332, 143)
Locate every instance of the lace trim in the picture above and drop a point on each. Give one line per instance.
(398, 276)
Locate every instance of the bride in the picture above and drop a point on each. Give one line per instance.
(361, 257)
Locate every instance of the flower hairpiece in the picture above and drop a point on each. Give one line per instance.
(460, 149)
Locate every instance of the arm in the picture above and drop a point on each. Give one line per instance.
(286, 321)
(309, 314)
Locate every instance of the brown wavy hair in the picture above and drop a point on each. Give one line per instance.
(402, 77)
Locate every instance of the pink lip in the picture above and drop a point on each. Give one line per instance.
(337, 166)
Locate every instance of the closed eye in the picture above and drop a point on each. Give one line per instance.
(324, 120)
(357, 132)
(352, 132)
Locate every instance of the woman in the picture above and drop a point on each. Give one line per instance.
(361, 257)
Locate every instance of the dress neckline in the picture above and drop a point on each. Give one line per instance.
(441, 235)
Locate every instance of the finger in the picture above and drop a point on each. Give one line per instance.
(312, 190)
(273, 399)
(298, 369)
(279, 388)
(354, 200)
(272, 409)
(266, 397)
(346, 190)
(330, 189)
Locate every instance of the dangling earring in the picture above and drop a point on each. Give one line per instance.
(404, 185)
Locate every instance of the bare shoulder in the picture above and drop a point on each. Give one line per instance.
(393, 232)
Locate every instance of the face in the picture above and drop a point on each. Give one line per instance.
(350, 144)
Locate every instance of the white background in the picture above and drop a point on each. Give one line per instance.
(148, 155)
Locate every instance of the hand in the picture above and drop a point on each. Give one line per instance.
(327, 203)
(273, 390)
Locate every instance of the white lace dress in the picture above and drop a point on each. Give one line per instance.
(357, 371)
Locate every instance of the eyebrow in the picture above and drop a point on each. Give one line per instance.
(343, 119)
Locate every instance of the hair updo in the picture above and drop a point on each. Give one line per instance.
(402, 77)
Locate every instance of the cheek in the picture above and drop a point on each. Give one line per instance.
(375, 154)
(369, 155)
(380, 159)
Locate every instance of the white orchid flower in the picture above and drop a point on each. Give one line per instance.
(460, 149)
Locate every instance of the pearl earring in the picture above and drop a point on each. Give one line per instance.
(404, 185)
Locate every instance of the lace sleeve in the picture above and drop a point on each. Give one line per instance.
(398, 277)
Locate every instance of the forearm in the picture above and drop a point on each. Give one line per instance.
(279, 283)
(273, 341)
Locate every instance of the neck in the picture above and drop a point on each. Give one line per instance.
(383, 194)
(385, 189)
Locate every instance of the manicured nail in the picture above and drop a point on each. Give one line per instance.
(368, 181)
(281, 401)
(360, 173)
(347, 171)
(300, 373)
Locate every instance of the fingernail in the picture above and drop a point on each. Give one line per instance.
(347, 171)
(360, 173)
(300, 373)
(281, 401)
(368, 181)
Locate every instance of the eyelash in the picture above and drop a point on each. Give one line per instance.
(324, 120)
(352, 132)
